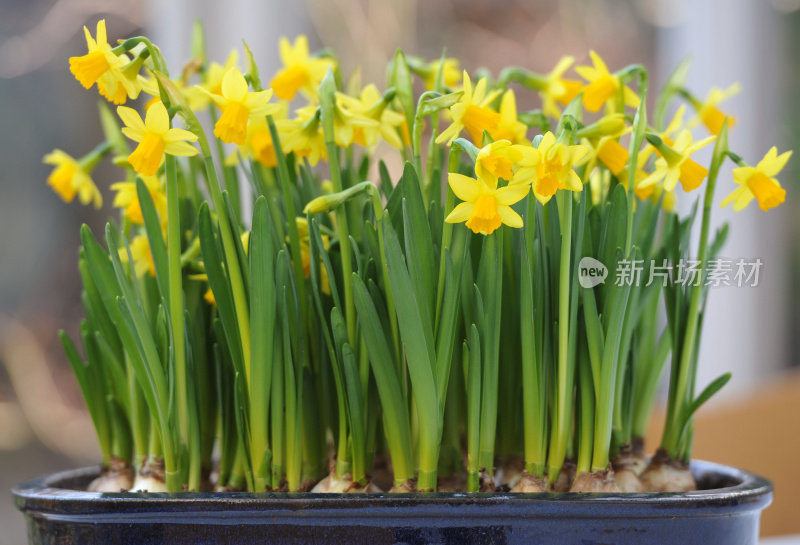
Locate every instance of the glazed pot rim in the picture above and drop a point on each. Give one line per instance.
(746, 492)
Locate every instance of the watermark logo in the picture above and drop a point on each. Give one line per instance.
(591, 272)
(716, 273)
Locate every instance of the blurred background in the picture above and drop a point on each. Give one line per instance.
(755, 421)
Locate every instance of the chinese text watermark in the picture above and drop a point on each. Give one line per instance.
(720, 272)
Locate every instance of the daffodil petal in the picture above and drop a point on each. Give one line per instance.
(732, 196)
(742, 174)
(175, 135)
(773, 166)
(587, 72)
(135, 134)
(511, 194)
(573, 181)
(671, 178)
(599, 64)
(181, 149)
(130, 117)
(464, 187)
(509, 217)
(102, 36)
(157, 118)
(743, 199)
(700, 144)
(562, 66)
(234, 86)
(460, 213)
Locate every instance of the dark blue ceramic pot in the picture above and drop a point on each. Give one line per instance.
(726, 512)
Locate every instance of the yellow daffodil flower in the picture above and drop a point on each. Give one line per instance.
(676, 164)
(485, 207)
(141, 254)
(212, 80)
(155, 138)
(514, 163)
(352, 125)
(70, 177)
(262, 146)
(601, 138)
(370, 105)
(301, 71)
(472, 113)
(675, 126)
(554, 170)
(709, 114)
(238, 106)
(303, 135)
(508, 126)
(603, 85)
(759, 182)
(127, 198)
(196, 95)
(258, 145)
(451, 75)
(612, 154)
(615, 157)
(115, 75)
(558, 89)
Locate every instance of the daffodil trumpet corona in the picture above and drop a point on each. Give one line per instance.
(277, 308)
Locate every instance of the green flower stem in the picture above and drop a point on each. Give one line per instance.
(327, 92)
(178, 326)
(679, 402)
(533, 387)
(155, 449)
(90, 160)
(472, 357)
(528, 79)
(159, 63)
(604, 407)
(314, 449)
(432, 160)
(294, 411)
(140, 421)
(621, 425)
(639, 126)
(378, 207)
(562, 417)
(294, 240)
(491, 283)
(447, 234)
(585, 421)
(228, 242)
(416, 138)
(646, 382)
(236, 480)
(277, 426)
(154, 376)
(268, 188)
(421, 358)
(262, 314)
